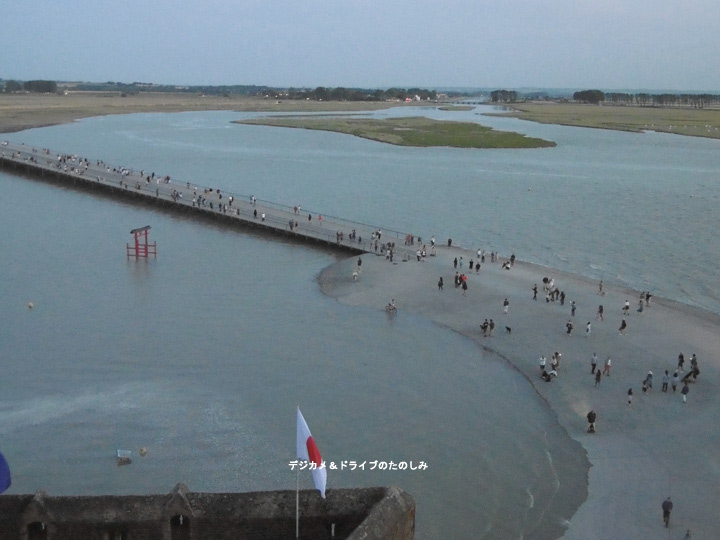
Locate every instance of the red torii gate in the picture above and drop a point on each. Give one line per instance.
(142, 248)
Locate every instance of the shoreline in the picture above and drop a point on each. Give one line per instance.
(686, 121)
(19, 112)
(641, 453)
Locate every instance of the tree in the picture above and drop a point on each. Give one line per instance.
(40, 86)
(12, 86)
(504, 96)
(589, 96)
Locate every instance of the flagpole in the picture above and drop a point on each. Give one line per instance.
(297, 497)
(297, 506)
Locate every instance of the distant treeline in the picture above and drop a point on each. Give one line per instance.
(43, 87)
(698, 101)
(318, 94)
(137, 87)
(355, 94)
(617, 98)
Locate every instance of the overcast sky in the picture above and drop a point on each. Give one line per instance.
(605, 44)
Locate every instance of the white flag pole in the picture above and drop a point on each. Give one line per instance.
(297, 506)
(297, 495)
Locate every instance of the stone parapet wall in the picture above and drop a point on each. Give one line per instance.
(367, 513)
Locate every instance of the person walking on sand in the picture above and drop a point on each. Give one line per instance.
(569, 326)
(630, 395)
(681, 362)
(675, 381)
(491, 326)
(543, 363)
(600, 288)
(455, 261)
(534, 290)
(685, 391)
(598, 376)
(506, 306)
(665, 381)
(440, 283)
(573, 307)
(667, 507)
(555, 361)
(600, 313)
(626, 308)
(623, 327)
(591, 417)
(593, 363)
(606, 369)
(588, 329)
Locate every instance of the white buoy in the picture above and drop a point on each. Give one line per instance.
(30, 305)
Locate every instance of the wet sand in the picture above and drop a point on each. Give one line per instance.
(640, 454)
(25, 111)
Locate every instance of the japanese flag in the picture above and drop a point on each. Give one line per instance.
(308, 451)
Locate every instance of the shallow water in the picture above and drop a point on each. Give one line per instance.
(202, 354)
(638, 210)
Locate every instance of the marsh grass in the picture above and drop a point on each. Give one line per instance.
(677, 120)
(413, 131)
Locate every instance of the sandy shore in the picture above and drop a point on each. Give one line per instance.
(640, 454)
(26, 111)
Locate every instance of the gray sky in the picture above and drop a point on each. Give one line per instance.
(605, 44)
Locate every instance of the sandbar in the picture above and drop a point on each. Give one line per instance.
(25, 111)
(640, 453)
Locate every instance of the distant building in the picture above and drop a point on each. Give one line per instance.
(346, 514)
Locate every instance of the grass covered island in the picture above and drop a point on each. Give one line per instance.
(411, 131)
(677, 120)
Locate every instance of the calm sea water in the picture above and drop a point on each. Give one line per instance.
(202, 354)
(634, 209)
